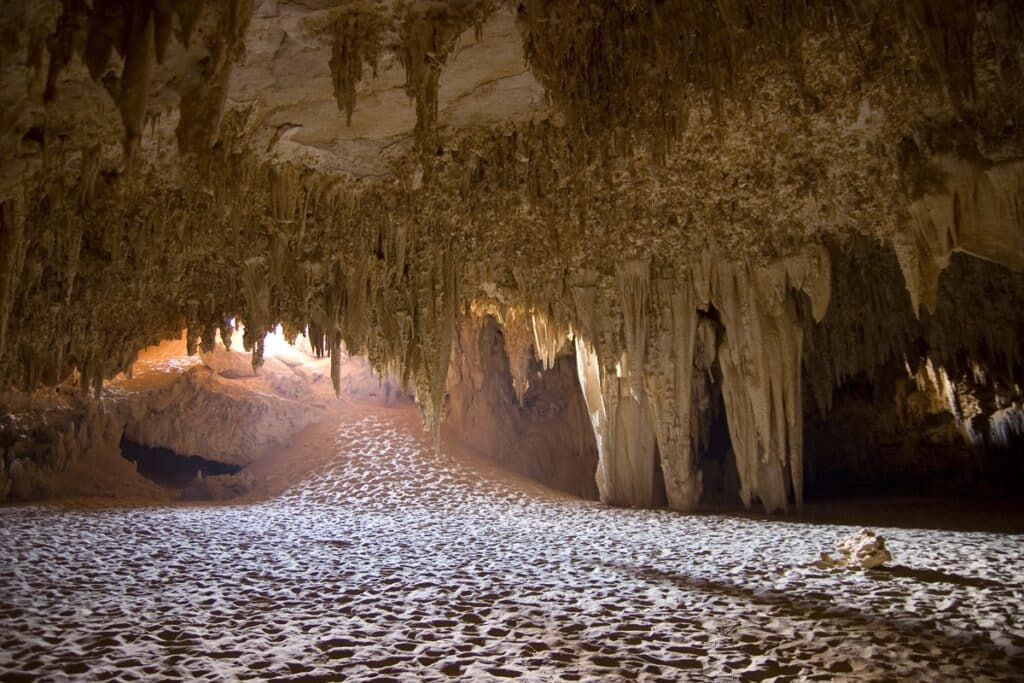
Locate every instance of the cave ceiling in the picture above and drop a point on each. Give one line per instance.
(372, 171)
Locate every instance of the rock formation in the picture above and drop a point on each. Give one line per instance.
(749, 200)
(542, 431)
(214, 404)
(862, 550)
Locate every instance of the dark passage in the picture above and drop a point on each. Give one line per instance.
(167, 468)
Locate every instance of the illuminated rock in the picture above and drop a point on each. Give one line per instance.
(862, 550)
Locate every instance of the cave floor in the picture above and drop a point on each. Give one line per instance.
(391, 563)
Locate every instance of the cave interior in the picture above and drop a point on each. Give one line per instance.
(745, 257)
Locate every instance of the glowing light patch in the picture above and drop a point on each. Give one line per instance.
(275, 344)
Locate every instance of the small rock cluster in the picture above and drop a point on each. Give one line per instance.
(862, 550)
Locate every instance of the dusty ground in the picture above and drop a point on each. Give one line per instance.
(390, 563)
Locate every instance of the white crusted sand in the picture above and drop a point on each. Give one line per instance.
(391, 563)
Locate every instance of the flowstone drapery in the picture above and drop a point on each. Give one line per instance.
(642, 401)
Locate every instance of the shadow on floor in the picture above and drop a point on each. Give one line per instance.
(934, 576)
(1001, 516)
(818, 606)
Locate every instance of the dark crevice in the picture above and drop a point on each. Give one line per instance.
(169, 469)
(717, 461)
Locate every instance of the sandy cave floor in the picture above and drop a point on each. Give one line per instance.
(390, 563)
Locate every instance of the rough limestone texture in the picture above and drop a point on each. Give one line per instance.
(544, 433)
(976, 211)
(219, 419)
(862, 550)
(642, 408)
(214, 406)
(67, 450)
(649, 179)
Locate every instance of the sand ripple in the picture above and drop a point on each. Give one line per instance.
(396, 564)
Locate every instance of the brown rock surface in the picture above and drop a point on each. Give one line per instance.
(690, 189)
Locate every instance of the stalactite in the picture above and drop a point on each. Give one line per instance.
(334, 346)
(641, 66)
(357, 35)
(618, 405)
(619, 408)
(13, 249)
(752, 387)
(427, 35)
(285, 187)
(258, 347)
(256, 292)
(978, 211)
(760, 359)
(226, 331)
(588, 370)
(437, 291)
(762, 144)
(634, 284)
(515, 326)
(704, 392)
(869, 324)
(203, 99)
(140, 32)
(1006, 425)
(61, 43)
(945, 31)
(131, 90)
(548, 339)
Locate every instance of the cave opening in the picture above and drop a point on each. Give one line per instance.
(717, 460)
(923, 406)
(888, 439)
(658, 491)
(170, 469)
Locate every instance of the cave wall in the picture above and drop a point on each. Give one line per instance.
(56, 444)
(543, 432)
(61, 449)
(885, 400)
(664, 182)
(916, 404)
(889, 437)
